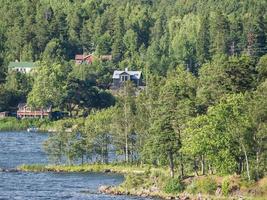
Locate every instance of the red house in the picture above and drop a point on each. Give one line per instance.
(87, 59)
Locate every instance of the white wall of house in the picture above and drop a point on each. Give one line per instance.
(22, 69)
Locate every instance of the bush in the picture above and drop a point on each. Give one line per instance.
(230, 184)
(174, 186)
(134, 181)
(205, 185)
(13, 124)
(226, 186)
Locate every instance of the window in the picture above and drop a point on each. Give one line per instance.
(124, 78)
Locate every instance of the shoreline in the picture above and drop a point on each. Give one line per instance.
(139, 177)
(98, 168)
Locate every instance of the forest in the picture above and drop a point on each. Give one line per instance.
(204, 108)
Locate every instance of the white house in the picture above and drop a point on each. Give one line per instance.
(23, 67)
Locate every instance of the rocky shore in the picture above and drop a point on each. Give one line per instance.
(148, 182)
(152, 192)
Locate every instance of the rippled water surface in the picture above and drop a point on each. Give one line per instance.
(18, 148)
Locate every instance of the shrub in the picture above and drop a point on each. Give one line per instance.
(173, 186)
(205, 185)
(134, 181)
(226, 186)
(13, 124)
(230, 184)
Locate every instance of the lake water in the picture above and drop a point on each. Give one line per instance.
(18, 148)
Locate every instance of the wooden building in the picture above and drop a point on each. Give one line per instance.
(4, 114)
(25, 111)
(90, 58)
(84, 59)
(119, 77)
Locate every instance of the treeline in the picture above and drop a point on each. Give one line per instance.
(158, 34)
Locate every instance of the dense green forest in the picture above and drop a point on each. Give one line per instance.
(204, 109)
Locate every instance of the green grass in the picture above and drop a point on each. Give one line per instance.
(123, 169)
(14, 124)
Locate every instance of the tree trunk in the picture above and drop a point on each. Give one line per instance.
(182, 166)
(106, 150)
(171, 163)
(82, 159)
(247, 164)
(210, 169)
(203, 165)
(240, 167)
(257, 164)
(126, 129)
(195, 167)
(126, 148)
(102, 155)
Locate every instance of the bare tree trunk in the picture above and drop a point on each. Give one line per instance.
(257, 164)
(240, 167)
(182, 166)
(203, 165)
(210, 169)
(106, 150)
(126, 148)
(247, 164)
(195, 167)
(102, 155)
(126, 129)
(171, 163)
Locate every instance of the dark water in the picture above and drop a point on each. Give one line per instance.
(18, 148)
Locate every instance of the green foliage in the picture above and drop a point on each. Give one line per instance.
(134, 181)
(171, 32)
(262, 68)
(208, 114)
(84, 95)
(204, 185)
(13, 124)
(226, 186)
(230, 184)
(48, 87)
(173, 186)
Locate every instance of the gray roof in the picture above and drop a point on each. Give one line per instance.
(133, 74)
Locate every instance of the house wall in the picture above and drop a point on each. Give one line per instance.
(116, 82)
(3, 114)
(22, 69)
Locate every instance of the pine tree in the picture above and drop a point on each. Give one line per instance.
(220, 34)
(203, 41)
(118, 45)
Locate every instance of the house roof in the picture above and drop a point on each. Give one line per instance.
(21, 65)
(24, 105)
(82, 57)
(134, 74)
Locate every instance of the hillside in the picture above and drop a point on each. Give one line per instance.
(198, 102)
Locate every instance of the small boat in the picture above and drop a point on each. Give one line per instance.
(32, 129)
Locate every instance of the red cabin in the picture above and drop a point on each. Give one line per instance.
(87, 59)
